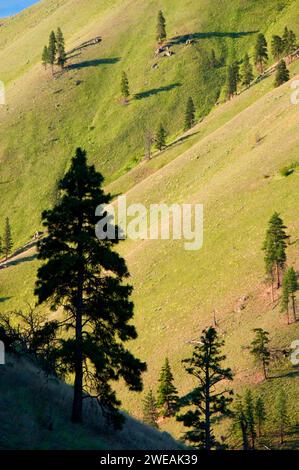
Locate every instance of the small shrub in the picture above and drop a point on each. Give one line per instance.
(289, 169)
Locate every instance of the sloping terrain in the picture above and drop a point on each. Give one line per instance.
(230, 162)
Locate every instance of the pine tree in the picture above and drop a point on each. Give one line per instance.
(45, 57)
(282, 417)
(167, 393)
(161, 138)
(190, 114)
(275, 249)
(52, 50)
(247, 71)
(206, 366)
(289, 289)
(249, 414)
(260, 415)
(161, 27)
(289, 41)
(85, 277)
(277, 47)
(232, 79)
(61, 54)
(261, 53)
(260, 350)
(150, 412)
(7, 239)
(282, 74)
(124, 87)
(240, 422)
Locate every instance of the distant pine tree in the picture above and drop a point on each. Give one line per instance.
(282, 74)
(277, 47)
(161, 27)
(161, 137)
(246, 71)
(167, 393)
(61, 54)
(7, 239)
(208, 400)
(124, 87)
(150, 412)
(260, 415)
(52, 50)
(289, 41)
(45, 57)
(289, 289)
(190, 114)
(249, 414)
(240, 422)
(281, 415)
(261, 53)
(260, 349)
(232, 79)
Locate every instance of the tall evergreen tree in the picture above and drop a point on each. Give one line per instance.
(161, 27)
(282, 416)
(249, 414)
(161, 137)
(232, 79)
(61, 54)
(240, 422)
(206, 366)
(190, 114)
(275, 249)
(260, 415)
(282, 74)
(261, 53)
(124, 87)
(246, 71)
(289, 41)
(289, 289)
(277, 47)
(167, 393)
(150, 412)
(260, 349)
(85, 277)
(52, 50)
(45, 57)
(7, 239)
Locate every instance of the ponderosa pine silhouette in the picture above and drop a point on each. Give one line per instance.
(261, 52)
(260, 349)
(167, 393)
(289, 289)
(150, 411)
(282, 74)
(86, 278)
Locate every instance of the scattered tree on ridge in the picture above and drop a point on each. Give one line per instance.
(260, 350)
(7, 239)
(261, 53)
(289, 41)
(52, 50)
(260, 415)
(161, 27)
(45, 57)
(161, 138)
(246, 71)
(206, 366)
(85, 277)
(124, 87)
(277, 47)
(282, 74)
(232, 79)
(61, 54)
(167, 393)
(289, 289)
(150, 412)
(282, 417)
(190, 114)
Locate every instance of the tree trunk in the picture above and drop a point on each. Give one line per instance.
(207, 410)
(244, 434)
(278, 276)
(294, 308)
(265, 370)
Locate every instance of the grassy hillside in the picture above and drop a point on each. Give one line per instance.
(230, 162)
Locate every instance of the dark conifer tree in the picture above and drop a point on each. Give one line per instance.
(167, 393)
(86, 278)
(7, 239)
(232, 79)
(161, 27)
(240, 422)
(249, 414)
(289, 289)
(277, 47)
(61, 54)
(150, 412)
(45, 57)
(124, 87)
(261, 53)
(52, 50)
(289, 41)
(207, 403)
(246, 71)
(161, 138)
(260, 415)
(190, 114)
(282, 74)
(260, 349)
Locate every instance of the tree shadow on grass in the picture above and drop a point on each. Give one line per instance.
(155, 91)
(94, 63)
(4, 299)
(211, 34)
